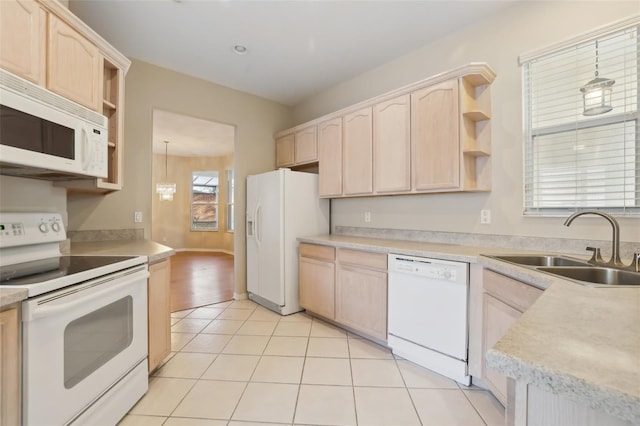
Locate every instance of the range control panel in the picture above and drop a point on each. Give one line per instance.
(21, 229)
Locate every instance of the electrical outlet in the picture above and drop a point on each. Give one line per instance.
(367, 217)
(485, 216)
(137, 217)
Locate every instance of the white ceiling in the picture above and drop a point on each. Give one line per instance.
(295, 48)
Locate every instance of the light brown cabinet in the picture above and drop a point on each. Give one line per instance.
(434, 137)
(392, 146)
(504, 300)
(330, 158)
(10, 367)
(285, 151)
(159, 312)
(348, 288)
(74, 65)
(306, 146)
(317, 279)
(361, 292)
(357, 162)
(25, 55)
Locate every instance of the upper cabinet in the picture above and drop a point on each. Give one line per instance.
(42, 41)
(430, 136)
(25, 55)
(296, 149)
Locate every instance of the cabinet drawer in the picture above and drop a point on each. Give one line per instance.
(363, 258)
(514, 293)
(317, 251)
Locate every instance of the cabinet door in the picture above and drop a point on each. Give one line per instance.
(434, 137)
(358, 152)
(284, 151)
(9, 367)
(497, 317)
(23, 39)
(392, 146)
(361, 300)
(158, 295)
(74, 65)
(330, 158)
(317, 286)
(306, 146)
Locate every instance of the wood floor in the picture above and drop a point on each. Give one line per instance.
(200, 278)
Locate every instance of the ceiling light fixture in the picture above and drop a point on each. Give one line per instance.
(166, 190)
(596, 94)
(240, 49)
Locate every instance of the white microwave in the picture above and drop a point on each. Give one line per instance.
(46, 136)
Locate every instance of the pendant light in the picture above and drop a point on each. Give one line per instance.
(596, 94)
(166, 190)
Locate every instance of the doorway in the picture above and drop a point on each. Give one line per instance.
(193, 206)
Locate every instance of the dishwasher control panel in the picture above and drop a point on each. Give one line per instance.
(437, 269)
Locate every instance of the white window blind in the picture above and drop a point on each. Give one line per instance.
(573, 161)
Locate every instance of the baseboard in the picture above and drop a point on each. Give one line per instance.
(206, 250)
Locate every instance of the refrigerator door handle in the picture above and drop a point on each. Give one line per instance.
(257, 223)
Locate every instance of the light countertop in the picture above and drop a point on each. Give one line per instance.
(154, 251)
(577, 341)
(9, 296)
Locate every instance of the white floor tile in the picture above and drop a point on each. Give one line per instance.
(235, 314)
(267, 402)
(376, 372)
(287, 346)
(206, 313)
(361, 348)
(384, 407)
(490, 409)
(232, 367)
(322, 329)
(416, 376)
(186, 365)
(246, 345)
(293, 328)
(297, 317)
(181, 314)
(325, 405)
(328, 347)
(179, 340)
(135, 420)
(278, 369)
(174, 320)
(444, 407)
(257, 328)
(263, 314)
(210, 399)
(208, 343)
(221, 326)
(183, 421)
(163, 396)
(242, 423)
(327, 371)
(243, 304)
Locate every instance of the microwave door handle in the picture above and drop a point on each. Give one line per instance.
(32, 311)
(86, 147)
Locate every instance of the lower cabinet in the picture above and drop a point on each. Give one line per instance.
(10, 367)
(159, 306)
(504, 300)
(349, 288)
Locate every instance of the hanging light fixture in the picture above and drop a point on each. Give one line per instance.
(596, 94)
(165, 190)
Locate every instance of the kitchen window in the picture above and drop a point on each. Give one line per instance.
(204, 201)
(230, 201)
(575, 158)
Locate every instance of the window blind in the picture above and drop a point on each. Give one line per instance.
(574, 161)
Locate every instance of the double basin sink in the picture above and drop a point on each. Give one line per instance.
(576, 270)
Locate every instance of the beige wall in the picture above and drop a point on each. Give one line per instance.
(31, 195)
(523, 27)
(149, 87)
(171, 220)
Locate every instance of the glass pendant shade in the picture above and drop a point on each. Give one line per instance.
(165, 190)
(596, 96)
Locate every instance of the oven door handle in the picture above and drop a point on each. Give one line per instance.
(42, 308)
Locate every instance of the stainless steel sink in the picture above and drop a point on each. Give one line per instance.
(542, 260)
(595, 275)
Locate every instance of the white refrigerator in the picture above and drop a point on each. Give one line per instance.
(282, 205)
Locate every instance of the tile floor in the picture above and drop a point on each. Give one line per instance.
(239, 364)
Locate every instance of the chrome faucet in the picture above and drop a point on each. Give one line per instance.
(615, 261)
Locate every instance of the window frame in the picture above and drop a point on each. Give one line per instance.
(230, 200)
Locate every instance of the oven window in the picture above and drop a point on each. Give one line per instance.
(25, 131)
(92, 340)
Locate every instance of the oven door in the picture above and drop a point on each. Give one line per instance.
(79, 342)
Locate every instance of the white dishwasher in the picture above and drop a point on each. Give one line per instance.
(428, 320)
